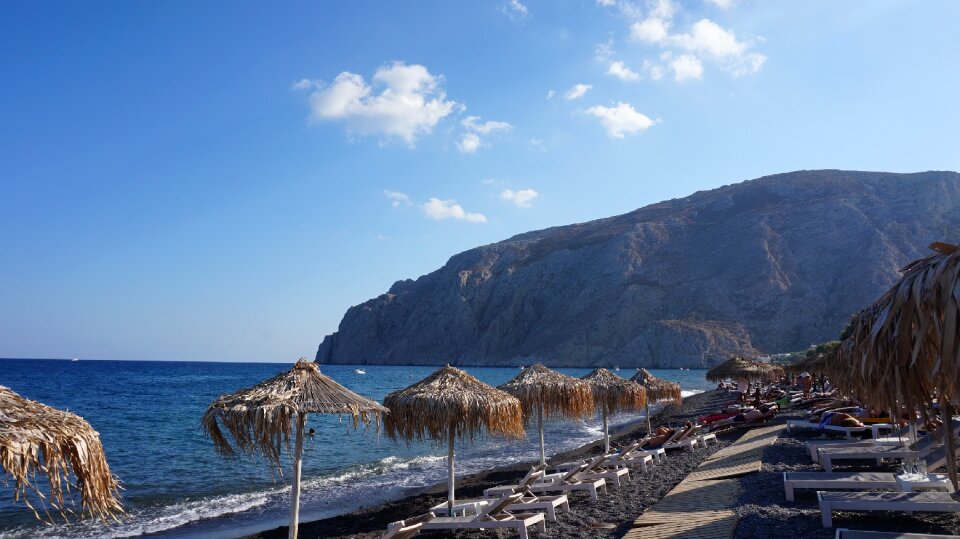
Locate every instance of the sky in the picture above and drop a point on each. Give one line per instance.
(222, 180)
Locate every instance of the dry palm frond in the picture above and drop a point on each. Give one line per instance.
(907, 345)
(613, 393)
(37, 438)
(556, 394)
(450, 400)
(741, 368)
(656, 388)
(260, 418)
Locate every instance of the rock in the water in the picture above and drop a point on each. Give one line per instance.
(772, 264)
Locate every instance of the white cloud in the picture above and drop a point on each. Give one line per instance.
(550, 94)
(606, 3)
(470, 143)
(620, 120)
(603, 51)
(396, 198)
(410, 102)
(577, 91)
(685, 67)
(302, 84)
(515, 10)
(705, 39)
(722, 4)
(449, 209)
(471, 140)
(522, 198)
(537, 144)
(621, 71)
(473, 123)
(662, 9)
(651, 30)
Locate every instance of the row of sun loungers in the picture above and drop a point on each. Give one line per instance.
(926, 448)
(540, 496)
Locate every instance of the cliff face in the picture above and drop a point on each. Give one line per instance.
(772, 264)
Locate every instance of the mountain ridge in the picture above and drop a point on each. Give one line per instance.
(770, 264)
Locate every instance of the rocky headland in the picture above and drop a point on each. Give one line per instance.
(767, 265)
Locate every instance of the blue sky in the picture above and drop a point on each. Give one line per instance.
(222, 180)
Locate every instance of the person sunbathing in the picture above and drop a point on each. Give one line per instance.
(839, 419)
(660, 435)
(752, 416)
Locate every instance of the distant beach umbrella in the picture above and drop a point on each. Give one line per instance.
(449, 404)
(906, 346)
(35, 438)
(657, 390)
(815, 363)
(741, 368)
(260, 419)
(612, 394)
(548, 393)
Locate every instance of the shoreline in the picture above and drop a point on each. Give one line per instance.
(371, 522)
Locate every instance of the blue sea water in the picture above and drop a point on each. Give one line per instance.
(175, 485)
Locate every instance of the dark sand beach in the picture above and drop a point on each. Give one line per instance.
(610, 516)
(761, 507)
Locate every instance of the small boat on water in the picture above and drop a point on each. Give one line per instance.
(75, 359)
(616, 368)
(360, 371)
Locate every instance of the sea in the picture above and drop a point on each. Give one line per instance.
(176, 486)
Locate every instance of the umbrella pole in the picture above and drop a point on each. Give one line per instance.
(647, 413)
(295, 493)
(450, 472)
(606, 432)
(946, 409)
(543, 452)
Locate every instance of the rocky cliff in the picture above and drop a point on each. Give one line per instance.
(772, 264)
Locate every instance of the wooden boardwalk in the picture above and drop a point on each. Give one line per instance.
(701, 506)
(739, 458)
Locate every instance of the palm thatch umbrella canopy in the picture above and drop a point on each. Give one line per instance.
(741, 368)
(551, 394)
(260, 418)
(907, 344)
(612, 394)
(657, 390)
(37, 438)
(449, 404)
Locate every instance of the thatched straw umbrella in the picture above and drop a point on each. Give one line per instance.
(657, 390)
(612, 394)
(907, 344)
(741, 368)
(451, 403)
(551, 394)
(815, 363)
(260, 418)
(37, 438)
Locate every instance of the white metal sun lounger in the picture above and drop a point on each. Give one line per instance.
(939, 502)
(495, 516)
(814, 445)
(843, 533)
(829, 455)
(529, 502)
(596, 468)
(568, 482)
(404, 529)
(874, 429)
(680, 439)
(935, 460)
(923, 447)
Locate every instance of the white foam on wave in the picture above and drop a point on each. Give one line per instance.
(689, 392)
